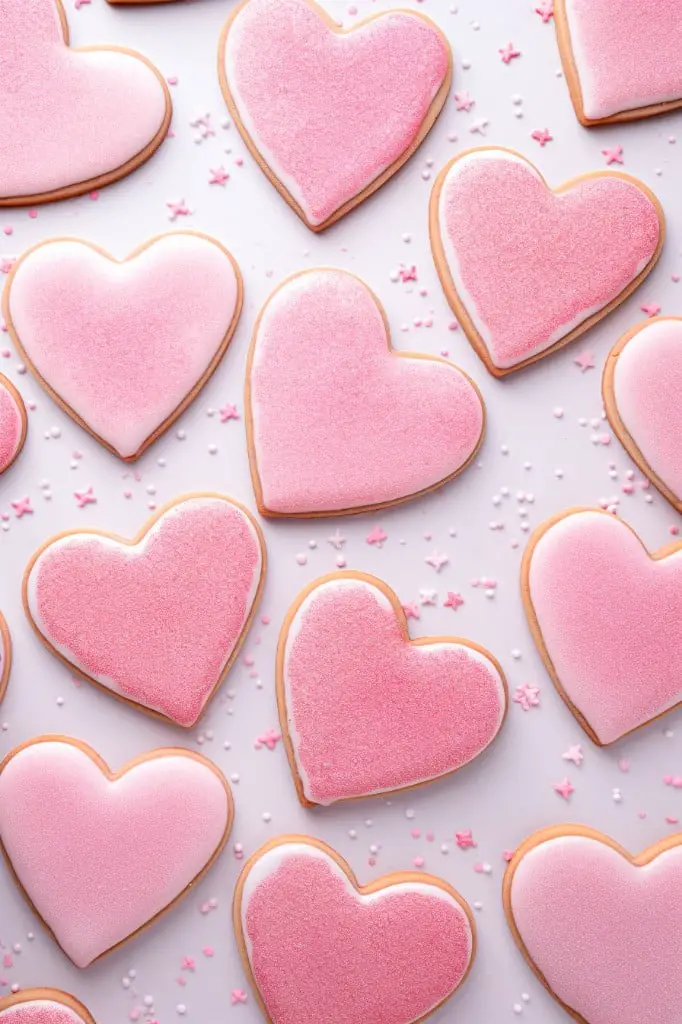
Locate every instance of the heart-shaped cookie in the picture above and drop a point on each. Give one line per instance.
(527, 269)
(158, 620)
(642, 385)
(71, 120)
(99, 855)
(364, 709)
(13, 423)
(601, 929)
(43, 1006)
(605, 616)
(622, 59)
(124, 347)
(331, 115)
(319, 947)
(337, 420)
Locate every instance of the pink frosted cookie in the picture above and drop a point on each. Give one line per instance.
(622, 58)
(366, 710)
(605, 616)
(13, 423)
(157, 620)
(601, 929)
(318, 947)
(43, 1006)
(100, 855)
(124, 347)
(642, 387)
(326, 437)
(527, 269)
(331, 115)
(71, 120)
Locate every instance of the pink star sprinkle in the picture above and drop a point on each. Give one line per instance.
(408, 274)
(564, 789)
(179, 209)
(463, 101)
(22, 507)
(613, 156)
(453, 600)
(337, 540)
(574, 754)
(228, 412)
(269, 739)
(188, 964)
(376, 536)
(6, 265)
(543, 136)
(508, 53)
(237, 995)
(411, 610)
(527, 696)
(651, 309)
(219, 176)
(84, 498)
(465, 839)
(546, 11)
(585, 360)
(437, 560)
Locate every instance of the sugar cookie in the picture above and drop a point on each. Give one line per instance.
(528, 269)
(642, 385)
(622, 59)
(71, 120)
(43, 1006)
(156, 620)
(325, 439)
(13, 423)
(100, 855)
(317, 946)
(329, 114)
(364, 709)
(124, 347)
(605, 616)
(601, 929)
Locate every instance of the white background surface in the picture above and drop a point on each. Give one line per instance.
(507, 793)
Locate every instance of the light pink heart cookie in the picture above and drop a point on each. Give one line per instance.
(99, 855)
(43, 1006)
(158, 620)
(319, 947)
(622, 58)
(605, 616)
(642, 386)
(331, 115)
(71, 120)
(124, 347)
(13, 423)
(364, 709)
(337, 420)
(601, 929)
(527, 269)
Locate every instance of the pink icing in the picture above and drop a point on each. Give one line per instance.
(68, 117)
(371, 712)
(123, 344)
(628, 54)
(338, 422)
(11, 427)
(42, 1011)
(354, 102)
(647, 385)
(530, 265)
(610, 618)
(606, 935)
(320, 952)
(156, 622)
(99, 859)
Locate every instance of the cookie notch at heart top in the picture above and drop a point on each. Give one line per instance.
(65, 1008)
(561, 958)
(297, 16)
(277, 863)
(491, 191)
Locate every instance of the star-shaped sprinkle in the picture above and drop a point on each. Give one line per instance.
(574, 754)
(79, 3)
(463, 101)
(84, 498)
(437, 560)
(585, 360)
(228, 412)
(219, 176)
(408, 273)
(376, 536)
(179, 209)
(22, 507)
(411, 610)
(269, 739)
(508, 53)
(203, 122)
(427, 596)
(337, 539)
(465, 839)
(546, 11)
(614, 155)
(237, 995)
(188, 964)
(542, 135)
(527, 696)
(453, 600)
(650, 308)
(564, 789)
(479, 127)
(6, 265)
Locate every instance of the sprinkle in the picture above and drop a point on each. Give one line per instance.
(527, 696)
(376, 536)
(614, 155)
(465, 839)
(542, 136)
(564, 789)
(585, 360)
(508, 53)
(453, 600)
(574, 754)
(650, 308)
